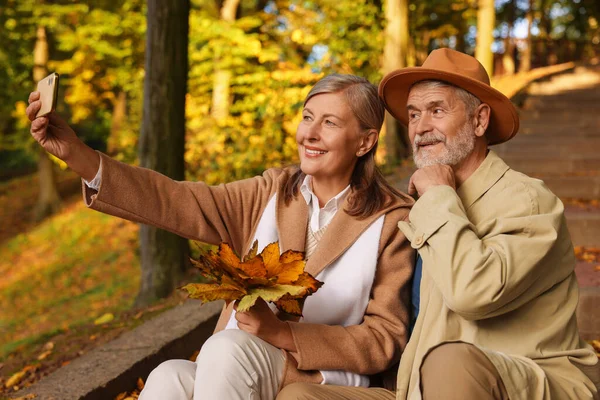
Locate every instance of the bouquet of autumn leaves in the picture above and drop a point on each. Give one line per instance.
(276, 278)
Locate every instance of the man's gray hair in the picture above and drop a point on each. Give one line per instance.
(471, 101)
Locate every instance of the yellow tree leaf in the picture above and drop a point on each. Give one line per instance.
(254, 267)
(291, 255)
(273, 294)
(212, 291)
(104, 319)
(289, 305)
(289, 273)
(270, 256)
(227, 255)
(310, 283)
(253, 250)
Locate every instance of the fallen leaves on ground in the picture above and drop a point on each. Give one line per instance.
(588, 254)
(584, 204)
(134, 394)
(270, 275)
(596, 345)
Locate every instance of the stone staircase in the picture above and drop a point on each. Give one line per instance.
(559, 142)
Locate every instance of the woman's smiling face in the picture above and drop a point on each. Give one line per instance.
(328, 139)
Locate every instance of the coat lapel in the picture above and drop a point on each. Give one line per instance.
(292, 221)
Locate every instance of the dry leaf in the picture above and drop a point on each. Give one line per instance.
(106, 318)
(15, 379)
(121, 396)
(274, 277)
(140, 384)
(30, 396)
(44, 355)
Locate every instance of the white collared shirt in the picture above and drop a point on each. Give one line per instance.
(321, 217)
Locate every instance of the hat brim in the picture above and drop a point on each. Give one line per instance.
(395, 87)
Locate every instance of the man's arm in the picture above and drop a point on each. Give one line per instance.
(516, 260)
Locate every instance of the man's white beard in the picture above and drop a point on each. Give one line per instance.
(456, 150)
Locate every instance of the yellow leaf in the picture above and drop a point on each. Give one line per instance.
(44, 355)
(289, 272)
(104, 319)
(253, 249)
(140, 384)
(273, 293)
(15, 379)
(309, 282)
(270, 256)
(290, 306)
(212, 291)
(254, 267)
(121, 396)
(290, 255)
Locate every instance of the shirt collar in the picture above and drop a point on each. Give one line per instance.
(307, 192)
(485, 176)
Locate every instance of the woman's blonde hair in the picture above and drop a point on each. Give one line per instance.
(370, 190)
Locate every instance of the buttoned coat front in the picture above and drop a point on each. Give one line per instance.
(232, 212)
(498, 272)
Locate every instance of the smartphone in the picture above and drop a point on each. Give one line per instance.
(48, 88)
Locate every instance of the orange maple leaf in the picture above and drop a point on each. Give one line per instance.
(275, 277)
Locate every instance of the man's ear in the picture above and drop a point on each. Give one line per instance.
(368, 141)
(482, 116)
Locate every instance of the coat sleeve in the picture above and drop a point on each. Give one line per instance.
(377, 343)
(194, 210)
(525, 248)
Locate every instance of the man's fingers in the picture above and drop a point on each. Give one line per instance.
(412, 190)
(33, 96)
(32, 109)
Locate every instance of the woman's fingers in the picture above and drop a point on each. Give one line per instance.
(38, 128)
(33, 96)
(32, 109)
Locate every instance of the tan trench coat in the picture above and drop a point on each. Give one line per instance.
(231, 212)
(498, 272)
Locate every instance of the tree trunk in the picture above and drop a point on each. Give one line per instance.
(48, 200)
(222, 76)
(528, 51)
(486, 19)
(508, 61)
(163, 254)
(394, 57)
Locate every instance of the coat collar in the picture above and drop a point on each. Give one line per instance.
(341, 233)
(485, 176)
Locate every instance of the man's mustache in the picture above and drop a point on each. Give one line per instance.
(429, 138)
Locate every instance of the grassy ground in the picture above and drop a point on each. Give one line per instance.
(67, 284)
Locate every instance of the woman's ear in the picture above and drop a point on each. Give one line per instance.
(482, 116)
(367, 142)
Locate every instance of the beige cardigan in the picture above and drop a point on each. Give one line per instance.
(231, 212)
(498, 272)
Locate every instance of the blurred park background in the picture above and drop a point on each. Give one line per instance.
(219, 99)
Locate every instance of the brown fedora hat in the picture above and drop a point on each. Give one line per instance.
(460, 70)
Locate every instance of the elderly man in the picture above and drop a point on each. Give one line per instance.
(498, 293)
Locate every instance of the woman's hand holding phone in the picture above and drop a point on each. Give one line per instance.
(58, 139)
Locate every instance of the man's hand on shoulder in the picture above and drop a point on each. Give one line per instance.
(433, 175)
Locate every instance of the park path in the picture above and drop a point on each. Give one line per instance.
(559, 142)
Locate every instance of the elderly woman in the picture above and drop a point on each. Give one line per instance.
(335, 206)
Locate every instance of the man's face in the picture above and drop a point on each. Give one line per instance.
(438, 126)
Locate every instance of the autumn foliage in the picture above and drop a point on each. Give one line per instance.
(275, 277)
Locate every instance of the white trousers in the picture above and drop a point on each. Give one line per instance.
(232, 365)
